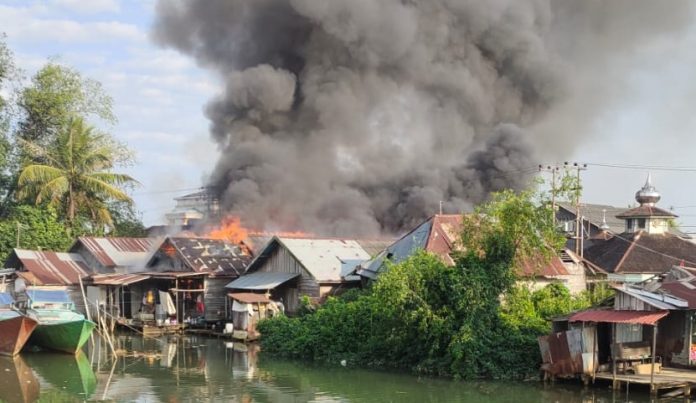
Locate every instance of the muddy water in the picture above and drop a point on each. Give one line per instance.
(187, 369)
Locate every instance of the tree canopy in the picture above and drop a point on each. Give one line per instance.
(74, 175)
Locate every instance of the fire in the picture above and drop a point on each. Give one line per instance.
(231, 230)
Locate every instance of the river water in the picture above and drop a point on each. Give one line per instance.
(187, 369)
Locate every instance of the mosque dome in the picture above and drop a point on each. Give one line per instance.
(648, 195)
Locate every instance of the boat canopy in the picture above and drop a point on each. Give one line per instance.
(52, 296)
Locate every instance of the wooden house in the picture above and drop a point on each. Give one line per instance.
(114, 255)
(289, 268)
(440, 235)
(190, 271)
(50, 270)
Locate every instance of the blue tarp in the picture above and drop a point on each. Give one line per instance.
(6, 299)
(53, 296)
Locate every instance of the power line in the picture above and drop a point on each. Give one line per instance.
(644, 167)
(168, 191)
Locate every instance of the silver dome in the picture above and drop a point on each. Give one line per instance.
(648, 195)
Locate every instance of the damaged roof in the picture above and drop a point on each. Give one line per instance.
(207, 255)
(438, 234)
(117, 252)
(640, 252)
(48, 268)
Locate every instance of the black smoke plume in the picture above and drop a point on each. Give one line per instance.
(356, 117)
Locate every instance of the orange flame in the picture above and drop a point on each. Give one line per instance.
(231, 230)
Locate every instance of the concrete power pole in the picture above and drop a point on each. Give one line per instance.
(554, 170)
(579, 226)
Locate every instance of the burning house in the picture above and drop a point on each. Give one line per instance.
(181, 280)
(288, 268)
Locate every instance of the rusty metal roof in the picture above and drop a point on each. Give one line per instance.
(250, 297)
(617, 316)
(204, 255)
(119, 279)
(48, 268)
(117, 252)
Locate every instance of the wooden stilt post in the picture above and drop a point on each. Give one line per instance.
(594, 352)
(652, 367)
(176, 294)
(613, 356)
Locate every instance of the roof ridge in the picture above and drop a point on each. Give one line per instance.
(628, 251)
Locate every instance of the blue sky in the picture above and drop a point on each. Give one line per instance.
(159, 97)
(158, 94)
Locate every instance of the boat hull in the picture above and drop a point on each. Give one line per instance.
(66, 337)
(14, 333)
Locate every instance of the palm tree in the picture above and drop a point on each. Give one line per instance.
(73, 174)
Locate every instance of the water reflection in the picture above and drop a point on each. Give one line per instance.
(174, 369)
(17, 381)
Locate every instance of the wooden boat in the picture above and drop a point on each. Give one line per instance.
(15, 328)
(59, 327)
(18, 382)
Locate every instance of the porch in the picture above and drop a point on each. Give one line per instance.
(674, 381)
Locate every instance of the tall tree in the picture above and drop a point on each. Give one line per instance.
(56, 94)
(74, 175)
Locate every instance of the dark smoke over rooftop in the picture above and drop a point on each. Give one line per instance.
(358, 117)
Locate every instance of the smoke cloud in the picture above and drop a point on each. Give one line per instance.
(358, 117)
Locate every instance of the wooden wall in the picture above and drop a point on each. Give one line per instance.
(282, 261)
(214, 298)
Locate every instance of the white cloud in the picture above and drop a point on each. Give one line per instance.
(26, 25)
(88, 6)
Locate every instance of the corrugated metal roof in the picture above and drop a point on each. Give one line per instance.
(261, 280)
(250, 298)
(210, 255)
(324, 258)
(612, 316)
(50, 268)
(118, 252)
(119, 279)
(656, 300)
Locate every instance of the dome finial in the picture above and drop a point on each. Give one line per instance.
(648, 195)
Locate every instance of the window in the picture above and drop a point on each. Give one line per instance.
(626, 332)
(629, 225)
(641, 223)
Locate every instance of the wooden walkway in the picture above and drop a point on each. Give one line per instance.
(667, 379)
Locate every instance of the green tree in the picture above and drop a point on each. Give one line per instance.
(8, 74)
(33, 228)
(73, 175)
(56, 94)
(468, 320)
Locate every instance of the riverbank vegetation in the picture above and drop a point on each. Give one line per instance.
(469, 320)
(57, 160)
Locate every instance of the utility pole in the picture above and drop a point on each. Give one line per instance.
(578, 219)
(554, 170)
(19, 226)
